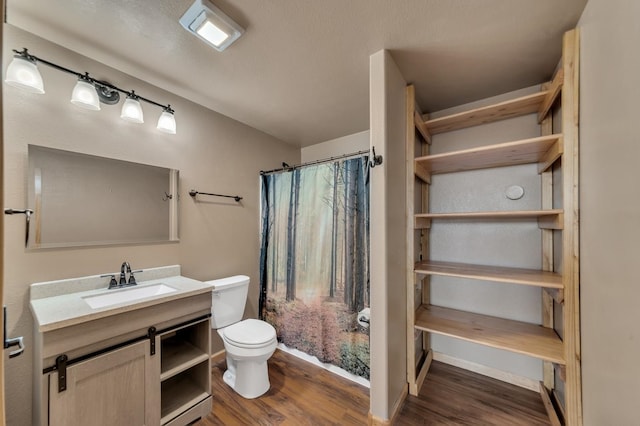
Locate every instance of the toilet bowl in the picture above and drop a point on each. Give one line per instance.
(248, 343)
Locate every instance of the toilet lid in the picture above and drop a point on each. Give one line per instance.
(251, 332)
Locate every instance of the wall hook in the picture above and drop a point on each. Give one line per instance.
(376, 159)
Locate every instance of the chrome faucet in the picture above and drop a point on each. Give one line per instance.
(124, 270)
(123, 273)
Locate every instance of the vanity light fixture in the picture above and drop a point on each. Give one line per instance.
(167, 121)
(23, 73)
(85, 95)
(88, 92)
(211, 25)
(131, 109)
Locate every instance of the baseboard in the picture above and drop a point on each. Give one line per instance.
(218, 356)
(514, 379)
(377, 421)
(398, 405)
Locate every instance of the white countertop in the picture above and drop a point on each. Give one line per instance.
(55, 305)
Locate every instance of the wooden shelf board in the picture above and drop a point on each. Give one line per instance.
(179, 394)
(514, 214)
(178, 356)
(491, 273)
(505, 154)
(500, 111)
(515, 336)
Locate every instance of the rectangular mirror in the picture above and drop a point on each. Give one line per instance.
(83, 200)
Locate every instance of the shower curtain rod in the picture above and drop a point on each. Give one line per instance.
(286, 167)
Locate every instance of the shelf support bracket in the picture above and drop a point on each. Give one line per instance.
(422, 127)
(556, 293)
(549, 407)
(561, 371)
(551, 222)
(554, 90)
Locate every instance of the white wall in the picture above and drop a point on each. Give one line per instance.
(213, 153)
(335, 147)
(388, 236)
(610, 211)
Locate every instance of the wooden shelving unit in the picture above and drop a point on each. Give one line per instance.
(500, 111)
(501, 274)
(550, 152)
(515, 336)
(544, 150)
(547, 219)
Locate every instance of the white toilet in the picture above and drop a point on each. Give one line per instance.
(249, 343)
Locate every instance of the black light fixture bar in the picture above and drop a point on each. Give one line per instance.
(25, 54)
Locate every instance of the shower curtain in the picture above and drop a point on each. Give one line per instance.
(314, 261)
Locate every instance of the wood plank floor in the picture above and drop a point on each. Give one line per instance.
(453, 396)
(303, 394)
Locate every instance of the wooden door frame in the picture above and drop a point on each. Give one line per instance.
(2, 407)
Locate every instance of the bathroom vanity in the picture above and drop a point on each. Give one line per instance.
(138, 355)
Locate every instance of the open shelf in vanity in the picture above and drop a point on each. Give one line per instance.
(184, 369)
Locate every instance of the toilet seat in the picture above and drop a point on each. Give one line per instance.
(250, 333)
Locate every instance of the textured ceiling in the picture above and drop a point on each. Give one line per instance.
(301, 70)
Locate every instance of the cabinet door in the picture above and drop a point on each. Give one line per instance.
(120, 387)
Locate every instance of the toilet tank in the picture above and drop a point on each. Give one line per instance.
(229, 296)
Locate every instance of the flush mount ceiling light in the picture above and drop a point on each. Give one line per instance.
(88, 92)
(211, 25)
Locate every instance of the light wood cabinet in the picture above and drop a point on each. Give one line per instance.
(115, 388)
(553, 153)
(149, 367)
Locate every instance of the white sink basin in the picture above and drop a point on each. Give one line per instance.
(129, 294)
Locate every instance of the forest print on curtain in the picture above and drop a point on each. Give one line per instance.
(314, 261)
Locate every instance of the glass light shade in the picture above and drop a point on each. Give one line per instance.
(167, 122)
(24, 74)
(132, 111)
(84, 95)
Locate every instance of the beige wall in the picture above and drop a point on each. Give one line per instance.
(610, 211)
(335, 147)
(388, 236)
(213, 153)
